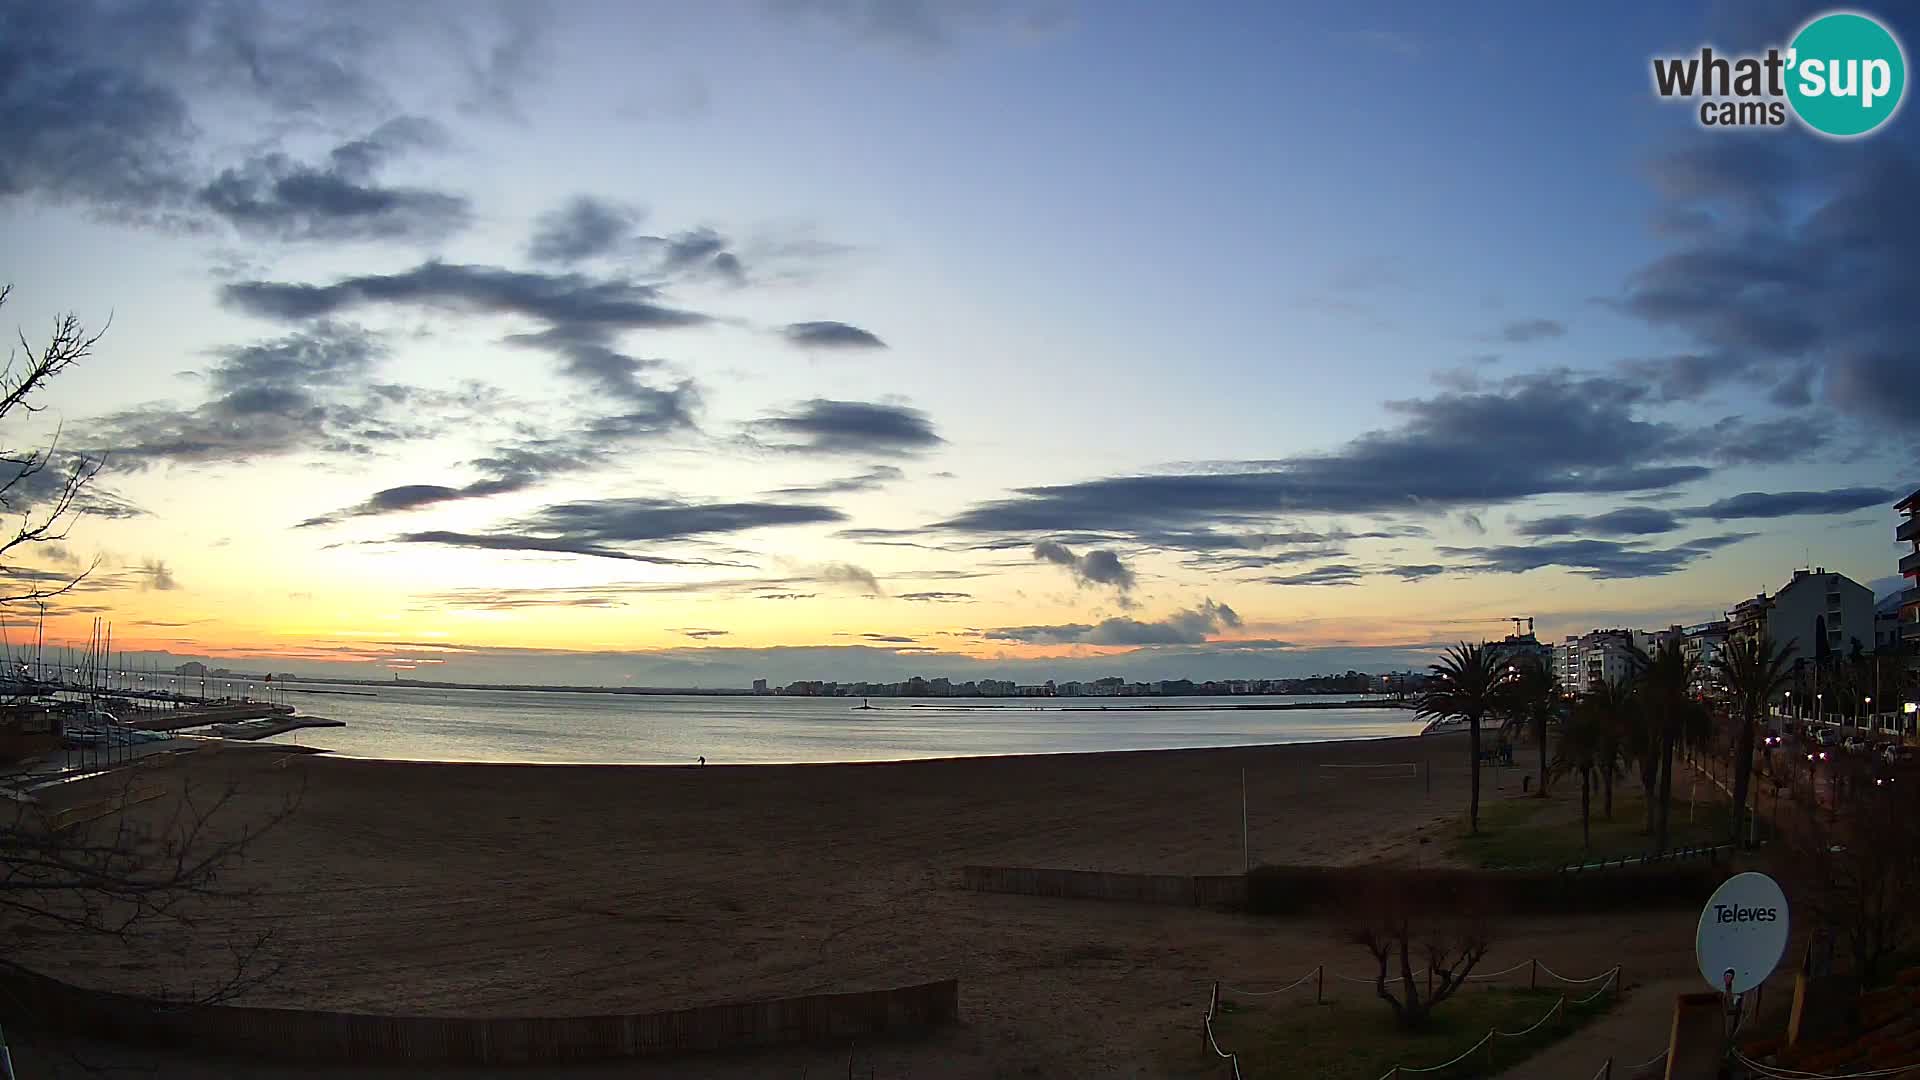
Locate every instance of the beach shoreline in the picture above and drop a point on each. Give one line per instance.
(476, 889)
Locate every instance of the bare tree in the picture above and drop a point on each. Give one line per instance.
(46, 501)
(1860, 871)
(1425, 940)
(125, 857)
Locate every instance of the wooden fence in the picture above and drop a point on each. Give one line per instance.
(1176, 889)
(33, 1000)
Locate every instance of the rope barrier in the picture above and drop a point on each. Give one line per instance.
(1206, 1025)
(1559, 1006)
(1776, 1072)
(1605, 1072)
(1536, 1024)
(1368, 980)
(1604, 987)
(1508, 971)
(1556, 976)
(1270, 993)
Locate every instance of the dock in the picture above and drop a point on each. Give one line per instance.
(202, 715)
(266, 727)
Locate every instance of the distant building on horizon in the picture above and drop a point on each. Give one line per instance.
(759, 686)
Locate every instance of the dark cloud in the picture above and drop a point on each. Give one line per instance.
(1417, 571)
(935, 597)
(582, 229)
(587, 227)
(155, 576)
(701, 635)
(35, 484)
(1337, 574)
(113, 107)
(1603, 559)
(1804, 274)
(891, 639)
(1738, 441)
(1098, 567)
(558, 545)
(831, 335)
(1627, 521)
(573, 301)
(1756, 504)
(418, 496)
(648, 520)
(876, 477)
(1536, 434)
(309, 391)
(858, 578)
(1188, 627)
(696, 253)
(600, 528)
(583, 315)
(851, 427)
(1522, 331)
(274, 195)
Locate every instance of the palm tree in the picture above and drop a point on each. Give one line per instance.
(1666, 677)
(1530, 697)
(1578, 751)
(1754, 671)
(1612, 706)
(1465, 685)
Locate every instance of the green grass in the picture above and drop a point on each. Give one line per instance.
(1355, 1038)
(1532, 833)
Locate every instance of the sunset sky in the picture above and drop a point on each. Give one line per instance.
(684, 344)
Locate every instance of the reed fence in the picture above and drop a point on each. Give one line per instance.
(29, 999)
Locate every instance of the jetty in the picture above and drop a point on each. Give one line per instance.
(266, 727)
(204, 714)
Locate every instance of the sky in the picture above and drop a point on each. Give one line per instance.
(659, 344)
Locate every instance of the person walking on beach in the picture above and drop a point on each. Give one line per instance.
(703, 759)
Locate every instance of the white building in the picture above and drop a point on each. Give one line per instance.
(1599, 656)
(1702, 645)
(1816, 607)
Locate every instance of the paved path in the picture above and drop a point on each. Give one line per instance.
(1633, 1032)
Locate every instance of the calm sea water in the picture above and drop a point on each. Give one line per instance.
(500, 725)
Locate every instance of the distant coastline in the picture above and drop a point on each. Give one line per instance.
(1359, 701)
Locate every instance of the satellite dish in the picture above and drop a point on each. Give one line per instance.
(1742, 934)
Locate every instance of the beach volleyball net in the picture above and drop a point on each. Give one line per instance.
(1372, 770)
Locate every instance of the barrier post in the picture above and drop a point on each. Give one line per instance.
(1320, 985)
(1533, 975)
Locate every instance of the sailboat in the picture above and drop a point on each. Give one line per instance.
(863, 706)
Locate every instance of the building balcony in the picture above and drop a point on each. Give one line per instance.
(1908, 529)
(1910, 566)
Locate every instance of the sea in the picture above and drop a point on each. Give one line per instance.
(415, 723)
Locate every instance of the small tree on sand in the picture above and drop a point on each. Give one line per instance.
(1424, 939)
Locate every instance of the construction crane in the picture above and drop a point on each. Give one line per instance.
(1516, 620)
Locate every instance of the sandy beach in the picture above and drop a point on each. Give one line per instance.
(459, 889)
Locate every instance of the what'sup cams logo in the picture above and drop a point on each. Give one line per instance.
(1843, 75)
